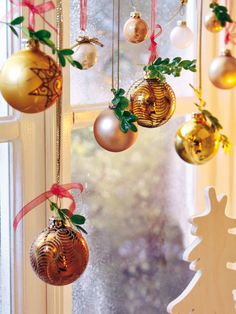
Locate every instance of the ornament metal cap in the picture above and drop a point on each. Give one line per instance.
(198, 116)
(226, 52)
(182, 23)
(135, 14)
(55, 222)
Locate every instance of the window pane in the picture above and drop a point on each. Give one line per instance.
(5, 227)
(137, 203)
(93, 86)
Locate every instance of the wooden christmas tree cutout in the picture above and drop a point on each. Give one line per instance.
(212, 256)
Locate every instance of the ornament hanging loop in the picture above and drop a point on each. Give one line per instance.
(87, 40)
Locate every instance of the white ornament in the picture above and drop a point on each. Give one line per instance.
(212, 257)
(181, 36)
(86, 54)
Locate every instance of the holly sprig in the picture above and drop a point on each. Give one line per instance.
(44, 37)
(64, 214)
(162, 67)
(214, 121)
(221, 13)
(119, 104)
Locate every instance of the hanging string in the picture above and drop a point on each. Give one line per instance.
(133, 5)
(200, 27)
(154, 35)
(83, 14)
(113, 46)
(59, 43)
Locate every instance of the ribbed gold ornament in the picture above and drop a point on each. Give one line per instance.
(197, 142)
(30, 80)
(152, 102)
(59, 255)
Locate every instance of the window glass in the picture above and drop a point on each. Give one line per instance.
(93, 86)
(137, 204)
(5, 227)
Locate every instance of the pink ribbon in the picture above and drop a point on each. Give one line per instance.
(154, 35)
(39, 9)
(61, 191)
(83, 14)
(230, 34)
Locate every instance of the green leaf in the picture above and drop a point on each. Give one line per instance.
(133, 127)
(165, 61)
(41, 34)
(120, 92)
(53, 206)
(185, 64)
(81, 229)
(62, 59)
(124, 126)
(118, 113)
(77, 65)
(25, 30)
(65, 211)
(17, 20)
(115, 101)
(77, 219)
(13, 31)
(176, 60)
(123, 102)
(67, 52)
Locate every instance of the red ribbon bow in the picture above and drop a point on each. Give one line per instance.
(36, 9)
(61, 191)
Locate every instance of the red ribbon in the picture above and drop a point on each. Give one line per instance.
(154, 27)
(39, 9)
(230, 34)
(83, 14)
(61, 191)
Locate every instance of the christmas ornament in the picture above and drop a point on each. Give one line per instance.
(181, 36)
(196, 141)
(59, 255)
(221, 13)
(30, 80)
(152, 101)
(212, 257)
(212, 24)
(222, 71)
(115, 129)
(135, 29)
(85, 51)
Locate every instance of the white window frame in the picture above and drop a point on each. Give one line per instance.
(33, 172)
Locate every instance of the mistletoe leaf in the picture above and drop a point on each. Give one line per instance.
(77, 219)
(13, 30)
(118, 113)
(17, 21)
(67, 52)
(41, 34)
(81, 229)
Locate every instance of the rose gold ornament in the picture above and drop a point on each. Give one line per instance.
(196, 142)
(135, 29)
(60, 254)
(30, 80)
(86, 54)
(212, 24)
(152, 102)
(108, 134)
(222, 71)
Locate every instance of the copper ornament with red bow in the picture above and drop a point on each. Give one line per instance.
(60, 254)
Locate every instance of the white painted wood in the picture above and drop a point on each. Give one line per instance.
(211, 289)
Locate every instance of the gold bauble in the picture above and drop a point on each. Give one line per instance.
(135, 29)
(30, 80)
(222, 71)
(59, 255)
(212, 24)
(86, 54)
(152, 102)
(196, 142)
(108, 134)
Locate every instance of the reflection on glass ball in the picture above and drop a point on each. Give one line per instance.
(196, 142)
(181, 36)
(86, 54)
(135, 29)
(152, 102)
(212, 23)
(59, 255)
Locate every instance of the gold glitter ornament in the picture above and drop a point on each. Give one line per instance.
(212, 24)
(60, 254)
(152, 101)
(196, 142)
(222, 71)
(135, 29)
(108, 134)
(30, 80)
